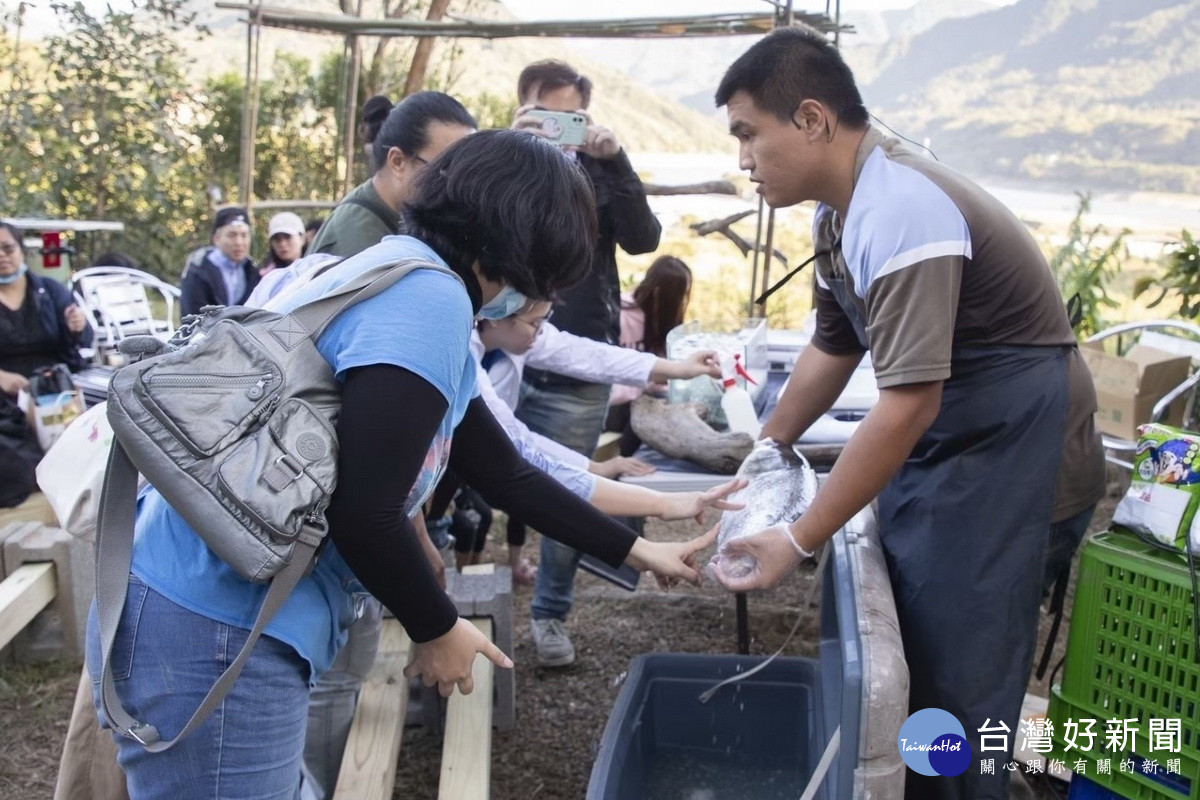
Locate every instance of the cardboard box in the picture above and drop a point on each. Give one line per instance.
(1127, 387)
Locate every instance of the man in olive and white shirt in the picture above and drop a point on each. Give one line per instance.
(982, 438)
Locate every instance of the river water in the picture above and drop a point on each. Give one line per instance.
(1154, 218)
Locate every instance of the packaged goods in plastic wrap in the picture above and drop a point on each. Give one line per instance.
(1165, 491)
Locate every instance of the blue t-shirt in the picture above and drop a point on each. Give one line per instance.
(423, 324)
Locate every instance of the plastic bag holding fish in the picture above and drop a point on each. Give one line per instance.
(782, 486)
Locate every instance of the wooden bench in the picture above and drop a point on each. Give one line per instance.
(368, 770)
(467, 744)
(35, 508)
(45, 569)
(485, 591)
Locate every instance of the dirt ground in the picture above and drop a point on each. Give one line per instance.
(560, 713)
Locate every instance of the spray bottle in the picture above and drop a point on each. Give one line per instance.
(736, 401)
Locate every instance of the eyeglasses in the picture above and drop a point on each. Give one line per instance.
(419, 159)
(9, 249)
(535, 324)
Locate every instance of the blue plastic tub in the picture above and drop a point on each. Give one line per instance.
(758, 739)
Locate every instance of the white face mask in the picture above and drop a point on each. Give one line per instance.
(508, 302)
(6, 280)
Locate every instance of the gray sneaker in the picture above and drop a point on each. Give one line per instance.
(550, 640)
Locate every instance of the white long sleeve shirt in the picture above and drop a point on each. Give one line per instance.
(564, 353)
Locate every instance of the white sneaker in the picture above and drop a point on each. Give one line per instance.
(553, 645)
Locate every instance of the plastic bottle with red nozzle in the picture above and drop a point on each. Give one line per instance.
(736, 401)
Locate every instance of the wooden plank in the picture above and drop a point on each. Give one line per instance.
(369, 766)
(467, 747)
(608, 446)
(23, 594)
(35, 508)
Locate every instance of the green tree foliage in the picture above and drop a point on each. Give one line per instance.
(99, 130)
(1180, 277)
(1086, 264)
(296, 134)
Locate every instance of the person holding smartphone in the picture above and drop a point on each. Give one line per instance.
(564, 409)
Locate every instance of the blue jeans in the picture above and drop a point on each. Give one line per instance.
(572, 416)
(165, 660)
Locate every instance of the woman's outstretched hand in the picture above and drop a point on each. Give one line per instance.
(670, 562)
(446, 661)
(691, 505)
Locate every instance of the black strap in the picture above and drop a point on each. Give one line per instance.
(1057, 600)
(762, 298)
(1075, 310)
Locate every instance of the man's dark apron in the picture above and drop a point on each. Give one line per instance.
(964, 527)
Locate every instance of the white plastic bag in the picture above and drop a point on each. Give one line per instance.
(71, 474)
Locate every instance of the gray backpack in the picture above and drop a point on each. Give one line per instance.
(233, 423)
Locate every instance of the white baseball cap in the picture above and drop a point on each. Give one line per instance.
(285, 222)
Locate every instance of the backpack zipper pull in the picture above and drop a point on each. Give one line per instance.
(256, 391)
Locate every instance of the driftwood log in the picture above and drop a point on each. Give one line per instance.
(679, 431)
(724, 227)
(707, 187)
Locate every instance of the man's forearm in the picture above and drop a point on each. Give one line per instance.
(816, 382)
(874, 454)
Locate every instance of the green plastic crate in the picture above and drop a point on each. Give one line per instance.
(1131, 654)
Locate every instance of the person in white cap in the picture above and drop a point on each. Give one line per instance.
(285, 241)
(223, 273)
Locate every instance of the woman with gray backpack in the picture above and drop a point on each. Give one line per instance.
(498, 219)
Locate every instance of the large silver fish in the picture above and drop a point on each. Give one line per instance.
(782, 486)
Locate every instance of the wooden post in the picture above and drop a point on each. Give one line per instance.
(754, 266)
(766, 271)
(250, 108)
(424, 49)
(350, 110)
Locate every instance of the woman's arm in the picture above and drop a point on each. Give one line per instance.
(485, 459)
(377, 465)
(379, 459)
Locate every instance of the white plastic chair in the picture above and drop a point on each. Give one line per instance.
(118, 301)
(1184, 341)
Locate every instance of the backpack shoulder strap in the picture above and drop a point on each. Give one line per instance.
(315, 316)
(114, 554)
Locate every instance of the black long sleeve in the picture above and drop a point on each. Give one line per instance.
(388, 419)
(484, 457)
(635, 228)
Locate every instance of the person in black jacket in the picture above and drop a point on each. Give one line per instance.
(566, 410)
(40, 323)
(222, 274)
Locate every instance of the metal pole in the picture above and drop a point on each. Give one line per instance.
(743, 624)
